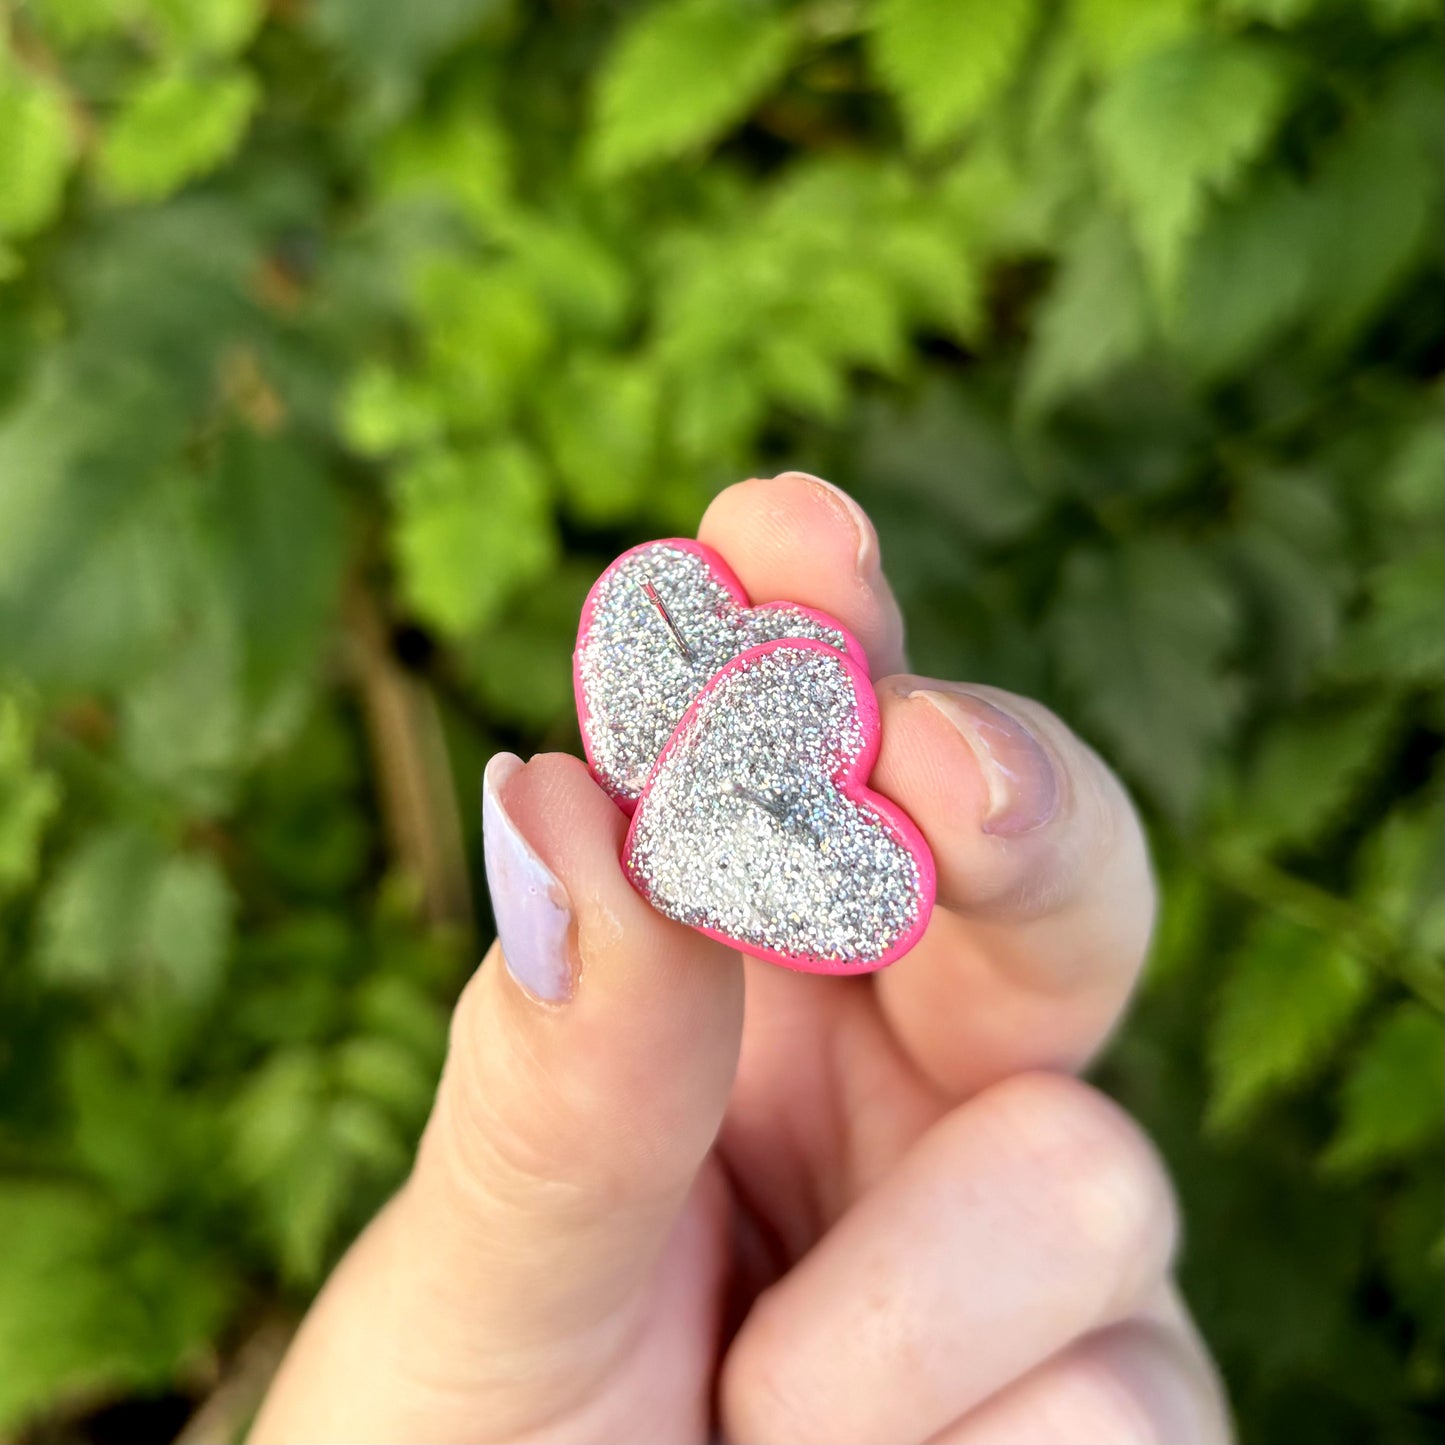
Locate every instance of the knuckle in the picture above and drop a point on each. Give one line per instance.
(1099, 1402)
(483, 1148)
(757, 1390)
(1095, 1176)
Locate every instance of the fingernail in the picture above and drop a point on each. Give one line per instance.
(1023, 783)
(868, 559)
(533, 912)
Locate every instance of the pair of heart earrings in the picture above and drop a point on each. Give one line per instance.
(740, 739)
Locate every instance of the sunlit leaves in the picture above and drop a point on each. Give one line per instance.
(472, 527)
(1115, 32)
(38, 145)
(681, 74)
(1398, 876)
(1287, 998)
(1393, 1099)
(1176, 129)
(174, 127)
(205, 27)
(945, 60)
(602, 421)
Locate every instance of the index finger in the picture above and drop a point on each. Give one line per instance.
(1046, 897)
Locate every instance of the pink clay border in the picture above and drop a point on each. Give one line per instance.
(726, 576)
(851, 780)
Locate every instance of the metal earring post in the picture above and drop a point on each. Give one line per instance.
(650, 592)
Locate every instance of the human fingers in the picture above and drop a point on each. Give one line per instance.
(1030, 1216)
(797, 538)
(591, 1056)
(1046, 897)
(1139, 1383)
(1045, 891)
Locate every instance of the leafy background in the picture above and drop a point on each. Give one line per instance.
(342, 342)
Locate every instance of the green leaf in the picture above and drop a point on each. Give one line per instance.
(473, 527)
(1140, 636)
(1287, 999)
(92, 1304)
(1309, 768)
(385, 410)
(183, 728)
(1392, 1104)
(1399, 870)
(601, 420)
(275, 538)
(37, 149)
(72, 22)
(486, 333)
(282, 1153)
(390, 46)
(1243, 281)
(682, 73)
(388, 1074)
(1115, 33)
(174, 127)
(950, 457)
(945, 60)
(584, 284)
(1291, 549)
(126, 917)
(1376, 196)
(521, 666)
(308, 1155)
(135, 1135)
(206, 27)
(184, 927)
(29, 797)
(462, 158)
(1412, 478)
(1280, 13)
(1176, 129)
(1400, 637)
(1094, 318)
(1402, 14)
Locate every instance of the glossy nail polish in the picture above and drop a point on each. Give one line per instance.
(533, 912)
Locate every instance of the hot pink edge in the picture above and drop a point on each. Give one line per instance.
(853, 782)
(728, 578)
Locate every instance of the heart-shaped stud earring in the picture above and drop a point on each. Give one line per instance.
(757, 825)
(656, 627)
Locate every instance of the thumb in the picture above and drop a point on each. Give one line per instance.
(590, 1062)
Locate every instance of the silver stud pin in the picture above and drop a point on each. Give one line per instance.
(650, 592)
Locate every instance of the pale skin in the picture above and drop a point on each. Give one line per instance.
(705, 1198)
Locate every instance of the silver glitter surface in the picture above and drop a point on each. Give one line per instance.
(744, 831)
(636, 682)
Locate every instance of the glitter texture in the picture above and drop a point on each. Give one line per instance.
(633, 681)
(746, 831)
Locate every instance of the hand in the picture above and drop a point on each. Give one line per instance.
(667, 1194)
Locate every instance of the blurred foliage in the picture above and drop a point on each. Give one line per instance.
(341, 342)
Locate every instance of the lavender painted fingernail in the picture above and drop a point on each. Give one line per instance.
(1023, 783)
(533, 912)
